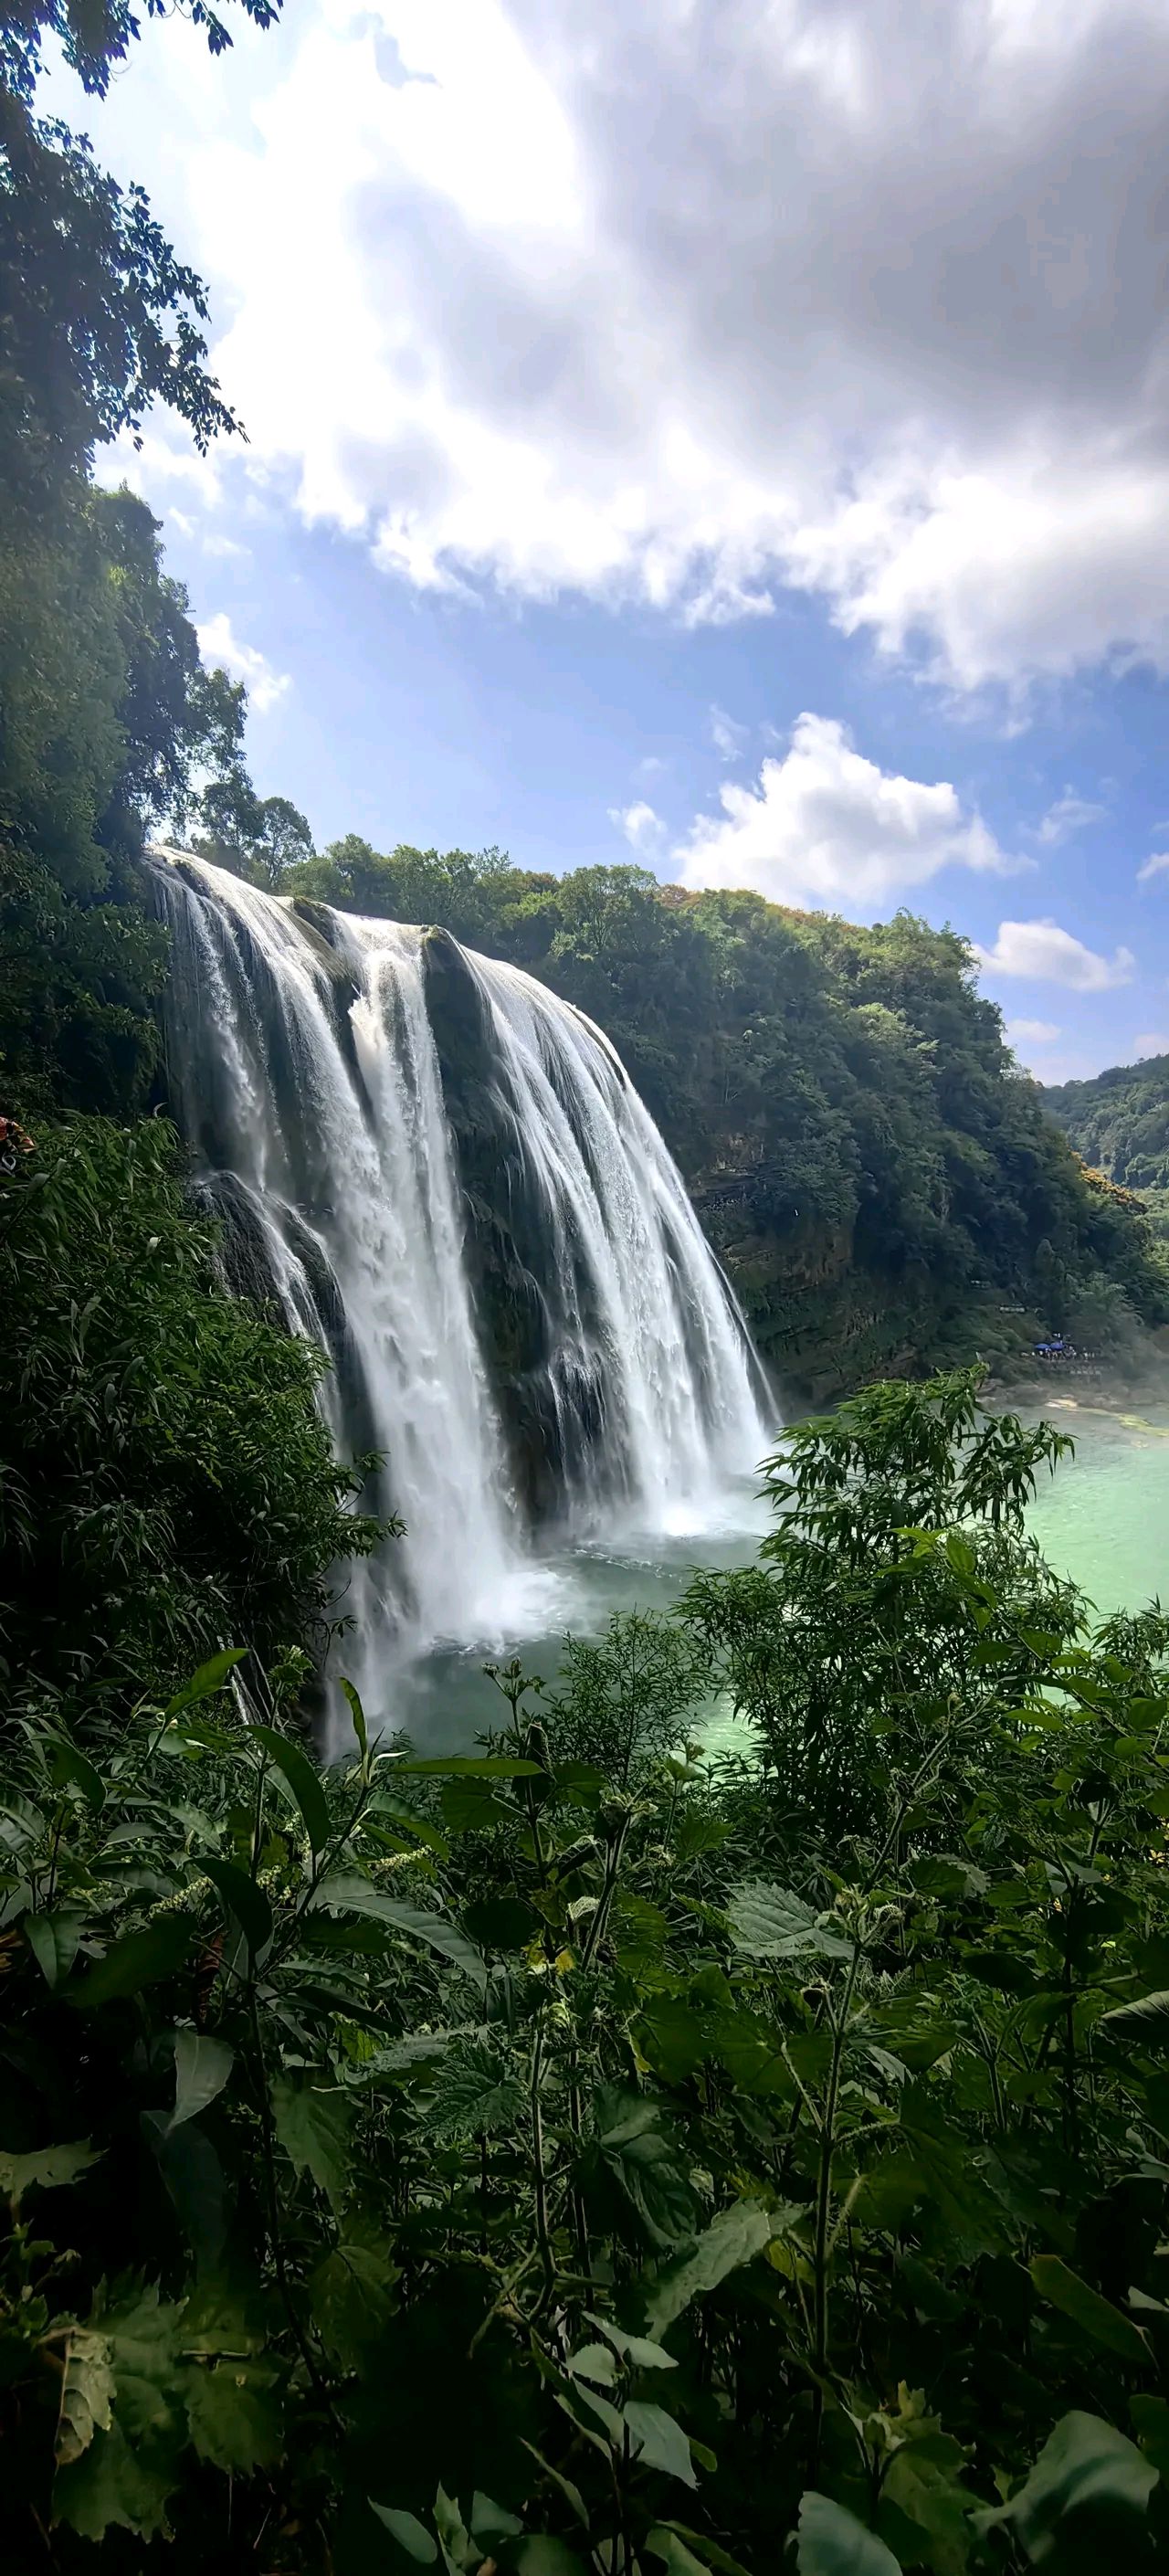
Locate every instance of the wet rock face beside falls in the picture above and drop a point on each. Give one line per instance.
(551, 1396)
(445, 1177)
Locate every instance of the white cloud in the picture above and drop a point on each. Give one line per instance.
(824, 826)
(1154, 867)
(727, 735)
(223, 548)
(222, 650)
(643, 829)
(1070, 813)
(1154, 1042)
(685, 304)
(1045, 954)
(1031, 1033)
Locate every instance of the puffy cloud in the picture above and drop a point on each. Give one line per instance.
(825, 826)
(1045, 954)
(1154, 867)
(222, 650)
(1029, 1033)
(684, 305)
(643, 829)
(1070, 813)
(1154, 1042)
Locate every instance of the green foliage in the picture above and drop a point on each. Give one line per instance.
(855, 1623)
(1119, 1121)
(166, 1480)
(106, 707)
(107, 712)
(592, 2188)
(259, 838)
(98, 317)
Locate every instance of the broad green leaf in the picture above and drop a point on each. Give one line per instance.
(1151, 2418)
(1086, 2308)
(234, 2414)
(70, 1768)
(202, 2067)
(649, 2164)
(410, 2534)
(314, 2130)
(584, 2402)
(475, 2092)
(474, 1807)
(145, 2334)
(53, 1940)
(347, 1892)
(126, 2475)
(771, 1923)
(243, 1899)
(923, 2483)
(87, 2391)
(659, 2442)
(635, 2350)
(833, 2543)
(1086, 2464)
(139, 1959)
(453, 2536)
(1009, 1971)
(196, 2182)
(1145, 2021)
(303, 1780)
(46, 2168)
(349, 2299)
(490, 2522)
(357, 1714)
(222, 2321)
(668, 2545)
(114, 2485)
(596, 2363)
(734, 2237)
(210, 1678)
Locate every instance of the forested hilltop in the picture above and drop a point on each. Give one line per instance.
(876, 1172)
(1119, 1121)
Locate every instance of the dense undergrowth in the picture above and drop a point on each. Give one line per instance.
(577, 2156)
(166, 1477)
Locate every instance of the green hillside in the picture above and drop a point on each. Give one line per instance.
(874, 1169)
(1119, 1122)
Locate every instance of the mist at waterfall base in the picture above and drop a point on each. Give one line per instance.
(441, 1173)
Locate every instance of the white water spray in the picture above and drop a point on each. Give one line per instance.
(305, 1073)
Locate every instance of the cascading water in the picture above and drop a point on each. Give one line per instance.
(442, 1173)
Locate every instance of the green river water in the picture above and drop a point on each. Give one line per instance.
(1103, 1519)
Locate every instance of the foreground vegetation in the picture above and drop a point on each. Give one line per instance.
(576, 2157)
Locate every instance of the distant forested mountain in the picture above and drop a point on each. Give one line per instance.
(1119, 1122)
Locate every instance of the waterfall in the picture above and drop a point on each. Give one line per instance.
(443, 1174)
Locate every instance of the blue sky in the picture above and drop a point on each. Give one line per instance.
(729, 433)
